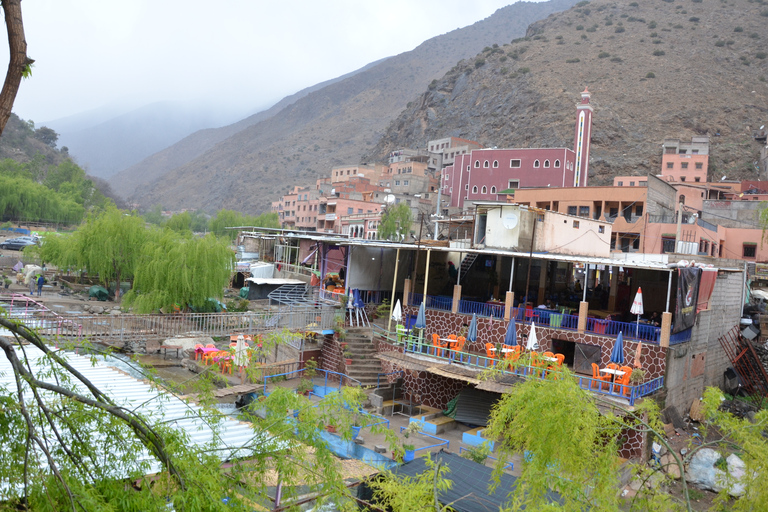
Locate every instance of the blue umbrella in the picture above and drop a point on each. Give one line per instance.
(472, 331)
(421, 322)
(511, 337)
(357, 301)
(617, 354)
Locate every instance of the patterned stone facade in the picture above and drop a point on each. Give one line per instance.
(490, 330)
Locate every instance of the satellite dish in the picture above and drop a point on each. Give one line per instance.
(762, 127)
(692, 218)
(389, 198)
(510, 220)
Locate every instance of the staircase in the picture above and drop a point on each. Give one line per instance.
(365, 367)
(289, 294)
(467, 263)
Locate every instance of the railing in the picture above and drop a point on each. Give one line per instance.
(681, 337)
(374, 296)
(342, 378)
(469, 307)
(38, 316)
(293, 268)
(479, 361)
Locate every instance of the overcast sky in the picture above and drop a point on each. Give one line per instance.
(94, 53)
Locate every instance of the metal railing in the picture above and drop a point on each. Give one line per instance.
(681, 337)
(411, 345)
(38, 316)
(469, 307)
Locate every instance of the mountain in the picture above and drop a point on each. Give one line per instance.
(106, 144)
(656, 69)
(201, 141)
(331, 126)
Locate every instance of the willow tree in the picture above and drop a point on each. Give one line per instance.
(177, 269)
(395, 220)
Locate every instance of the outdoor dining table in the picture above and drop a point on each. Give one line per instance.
(547, 358)
(612, 372)
(204, 350)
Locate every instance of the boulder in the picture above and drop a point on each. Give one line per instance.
(188, 342)
(97, 310)
(115, 312)
(670, 467)
(702, 472)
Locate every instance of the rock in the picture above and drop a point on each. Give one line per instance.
(635, 484)
(115, 312)
(670, 467)
(97, 310)
(359, 440)
(703, 473)
(188, 342)
(379, 448)
(655, 481)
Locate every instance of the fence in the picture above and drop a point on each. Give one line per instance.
(469, 307)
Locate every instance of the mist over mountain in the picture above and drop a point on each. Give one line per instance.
(336, 124)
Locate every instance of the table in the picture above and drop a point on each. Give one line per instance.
(547, 358)
(612, 372)
(165, 349)
(204, 351)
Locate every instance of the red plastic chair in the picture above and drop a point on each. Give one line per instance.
(622, 382)
(490, 352)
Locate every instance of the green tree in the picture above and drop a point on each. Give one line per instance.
(396, 219)
(47, 136)
(180, 269)
(22, 198)
(230, 219)
(155, 215)
(181, 222)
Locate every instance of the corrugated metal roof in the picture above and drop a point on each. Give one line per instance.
(230, 439)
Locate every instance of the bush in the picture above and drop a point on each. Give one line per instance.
(658, 53)
(652, 25)
(479, 63)
(738, 29)
(572, 61)
(633, 4)
(582, 3)
(619, 30)
(523, 71)
(760, 55)
(693, 19)
(616, 59)
(754, 35)
(657, 41)
(720, 43)
(654, 34)
(608, 23)
(650, 74)
(579, 27)
(603, 55)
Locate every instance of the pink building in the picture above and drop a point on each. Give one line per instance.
(685, 161)
(482, 174)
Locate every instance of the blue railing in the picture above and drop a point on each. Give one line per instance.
(374, 296)
(439, 302)
(469, 307)
(625, 391)
(443, 442)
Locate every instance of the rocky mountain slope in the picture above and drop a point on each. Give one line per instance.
(332, 126)
(656, 69)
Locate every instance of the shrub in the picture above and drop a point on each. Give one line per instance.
(479, 62)
(616, 59)
(523, 71)
(633, 4)
(658, 53)
(730, 42)
(678, 26)
(738, 29)
(572, 61)
(558, 37)
(654, 34)
(504, 71)
(764, 13)
(579, 27)
(760, 55)
(603, 55)
(754, 35)
(720, 43)
(619, 30)
(652, 25)
(582, 3)
(592, 29)
(608, 23)
(693, 19)
(503, 58)
(657, 41)
(650, 74)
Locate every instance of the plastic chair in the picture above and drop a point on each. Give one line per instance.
(513, 354)
(490, 351)
(603, 380)
(623, 381)
(436, 342)
(225, 364)
(198, 354)
(560, 358)
(549, 354)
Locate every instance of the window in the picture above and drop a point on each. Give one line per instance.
(697, 180)
(684, 165)
(576, 224)
(359, 210)
(601, 229)
(466, 187)
(583, 211)
(557, 164)
(694, 151)
(514, 184)
(749, 250)
(536, 163)
(681, 200)
(546, 164)
(699, 165)
(514, 163)
(485, 189)
(639, 210)
(682, 178)
(636, 243)
(477, 163)
(631, 183)
(667, 244)
(571, 210)
(681, 151)
(486, 164)
(493, 189)
(621, 183)
(397, 183)
(350, 211)
(405, 182)
(670, 165)
(474, 189)
(495, 164)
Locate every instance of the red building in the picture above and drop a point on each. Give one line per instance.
(482, 174)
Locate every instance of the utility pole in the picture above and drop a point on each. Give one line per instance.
(679, 227)
(530, 258)
(439, 190)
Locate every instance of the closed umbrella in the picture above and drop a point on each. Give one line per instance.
(637, 308)
(421, 322)
(241, 354)
(397, 312)
(511, 337)
(617, 354)
(472, 331)
(533, 342)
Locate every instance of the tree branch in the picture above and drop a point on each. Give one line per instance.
(19, 63)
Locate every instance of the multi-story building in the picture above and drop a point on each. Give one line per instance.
(685, 161)
(298, 209)
(443, 152)
(486, 174)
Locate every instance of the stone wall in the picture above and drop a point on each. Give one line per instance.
(699, 363)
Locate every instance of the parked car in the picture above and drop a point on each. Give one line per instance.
(18, 244)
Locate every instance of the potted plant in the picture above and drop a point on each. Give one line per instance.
(6, 282)
(410, 452)
(347, 356)
(304, 387)
(412, 428)
(637, 376)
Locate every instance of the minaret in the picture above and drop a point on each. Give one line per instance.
(581, 140)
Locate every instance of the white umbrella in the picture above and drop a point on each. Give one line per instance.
(533, 343)
(241, 354)
(637, 308)
(397, 312)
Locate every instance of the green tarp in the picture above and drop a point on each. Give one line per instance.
(99, 292)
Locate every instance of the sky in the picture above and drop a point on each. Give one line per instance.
(122, 54)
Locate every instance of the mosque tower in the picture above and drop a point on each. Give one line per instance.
(581, 140)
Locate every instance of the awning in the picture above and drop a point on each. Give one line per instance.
(404, 361)
(456, 372)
